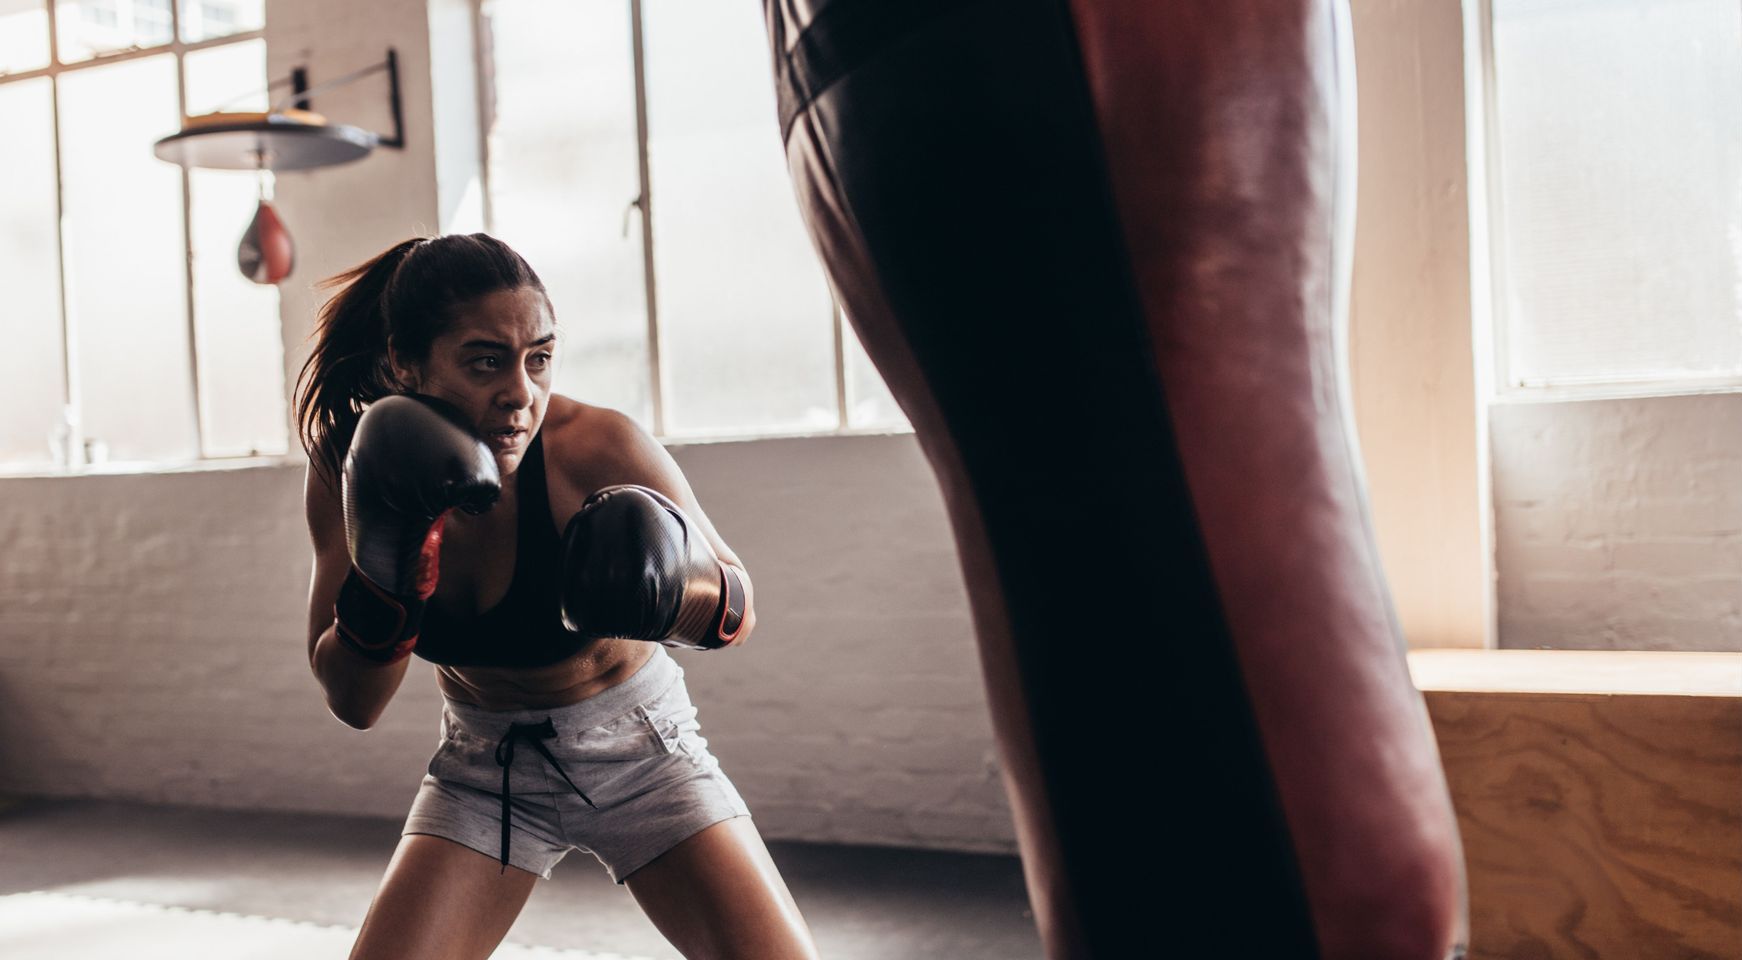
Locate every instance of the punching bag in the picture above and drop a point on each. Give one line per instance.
(266, 254)
(1100, 251)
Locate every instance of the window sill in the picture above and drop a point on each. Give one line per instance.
(1603, 672)
(1566, 393)
(114, 468)
(297, 458)
(682, 440)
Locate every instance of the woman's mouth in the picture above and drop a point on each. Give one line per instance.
(505, 437)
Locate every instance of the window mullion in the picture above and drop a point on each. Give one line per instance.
(70, 419)
(53, 35)
(839, 316)
(1493, 238)
(655, 361)
(484, 68)
(187, 237)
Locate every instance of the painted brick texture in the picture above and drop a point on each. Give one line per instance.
(1619, 523)
(152, 647)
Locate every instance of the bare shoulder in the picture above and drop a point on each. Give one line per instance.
(591, 447)
(589, 444)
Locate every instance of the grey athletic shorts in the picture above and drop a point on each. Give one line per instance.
(624, 775)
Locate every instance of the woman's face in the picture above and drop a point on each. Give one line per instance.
(495, 363)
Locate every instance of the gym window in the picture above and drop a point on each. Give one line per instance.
(1615, 195)
(134, 338)
(635, 160)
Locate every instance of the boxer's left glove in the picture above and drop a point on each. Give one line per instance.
(412, 460)
(635, 566)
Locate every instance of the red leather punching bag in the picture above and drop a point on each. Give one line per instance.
(266, 254)
(1100, 250)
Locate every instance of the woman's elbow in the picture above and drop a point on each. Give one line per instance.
(351, 715)
(355, 698)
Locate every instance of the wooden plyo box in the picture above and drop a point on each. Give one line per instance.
(1599, 795)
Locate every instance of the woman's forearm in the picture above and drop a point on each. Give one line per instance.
(357, 688)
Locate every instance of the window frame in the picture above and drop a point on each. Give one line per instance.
(74, 458)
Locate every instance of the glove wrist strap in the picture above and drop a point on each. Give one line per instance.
(375, 624)
(712, 618)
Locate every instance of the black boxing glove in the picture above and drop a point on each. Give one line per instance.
(412, 460)
(634, 566)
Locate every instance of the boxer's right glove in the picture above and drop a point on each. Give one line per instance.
(412, 460)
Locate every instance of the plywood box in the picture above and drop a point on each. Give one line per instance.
(1600, 799)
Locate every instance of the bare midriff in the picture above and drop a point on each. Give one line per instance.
(597, 667)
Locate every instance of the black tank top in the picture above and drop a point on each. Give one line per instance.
(526, 628)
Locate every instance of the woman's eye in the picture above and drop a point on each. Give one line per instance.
(539, 361)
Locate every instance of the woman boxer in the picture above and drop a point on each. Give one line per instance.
(541, 552)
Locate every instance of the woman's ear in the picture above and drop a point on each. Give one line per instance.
(406, 375)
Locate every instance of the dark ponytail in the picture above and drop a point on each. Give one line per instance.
(406, 295)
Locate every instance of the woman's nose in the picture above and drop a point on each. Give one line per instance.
(518, 392)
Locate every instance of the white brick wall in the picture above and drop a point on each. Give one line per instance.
(1619, 523)
(152, 648)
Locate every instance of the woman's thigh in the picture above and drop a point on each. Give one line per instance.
(441, 901)
(718, 896)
